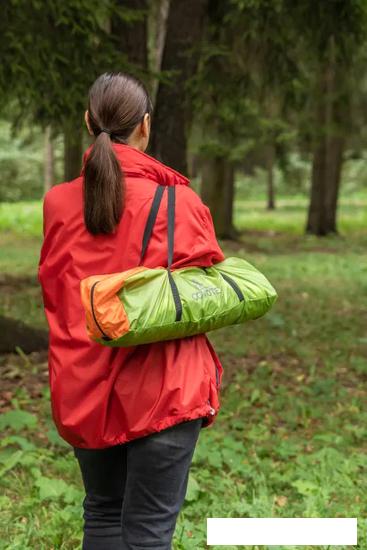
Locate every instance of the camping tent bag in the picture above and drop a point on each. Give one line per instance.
(144, 305)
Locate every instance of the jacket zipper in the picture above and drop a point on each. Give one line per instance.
(105, 337)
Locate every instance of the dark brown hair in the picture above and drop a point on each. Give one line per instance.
(117, 103)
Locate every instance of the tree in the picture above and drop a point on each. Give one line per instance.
(48, 162)
(215, 130)
(129, 31)
(328, 144)
(332, 37)
(180, 58)
(51, 53)
(157, 28)
(240, 96)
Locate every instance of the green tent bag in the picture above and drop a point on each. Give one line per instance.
(144, 305)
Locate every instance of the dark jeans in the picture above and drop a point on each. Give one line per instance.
(134, 491)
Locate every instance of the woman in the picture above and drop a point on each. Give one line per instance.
(132, 415)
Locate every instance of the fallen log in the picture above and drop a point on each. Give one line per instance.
(15, 333)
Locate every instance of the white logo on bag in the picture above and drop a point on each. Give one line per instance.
(204, 290)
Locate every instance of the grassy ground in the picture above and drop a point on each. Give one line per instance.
(291, 437)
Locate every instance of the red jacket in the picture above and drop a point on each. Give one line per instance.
(104, 396)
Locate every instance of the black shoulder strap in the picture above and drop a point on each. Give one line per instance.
(151, 219)
(171, 190)
(171, 222)
(171, 203)
(171, 200)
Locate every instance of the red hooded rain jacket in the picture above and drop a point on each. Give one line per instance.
(103, 396)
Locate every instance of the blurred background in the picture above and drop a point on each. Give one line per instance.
(263, 104)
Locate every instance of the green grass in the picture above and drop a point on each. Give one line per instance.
(291, 436)
(290, 215)
(22, 218)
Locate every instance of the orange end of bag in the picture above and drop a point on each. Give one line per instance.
(104, 311)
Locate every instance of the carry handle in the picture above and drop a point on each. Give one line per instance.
(170, 221)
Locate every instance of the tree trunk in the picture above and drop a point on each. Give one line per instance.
(48, 162)
(157, 27)
(217, 192)
(73, 151)
(269, 159)
(328, 154)
(172, 116)
(194, 166)
(326, 175)
(336, 150)
(131, 36)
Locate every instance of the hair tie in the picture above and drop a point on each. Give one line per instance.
(106, 131)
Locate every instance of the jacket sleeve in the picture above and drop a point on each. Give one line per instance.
(195, 240)
(51, 225)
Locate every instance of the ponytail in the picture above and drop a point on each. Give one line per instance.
(117, 104)
(103, 187)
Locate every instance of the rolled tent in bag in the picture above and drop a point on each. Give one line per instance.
(144, 305)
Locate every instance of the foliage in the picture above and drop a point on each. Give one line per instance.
(247, 44)
(330, 34)
(23, 217)
(52, 52)
(278, 77)
(292, 178)
(21, 162)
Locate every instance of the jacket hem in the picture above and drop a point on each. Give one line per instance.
(205, 410)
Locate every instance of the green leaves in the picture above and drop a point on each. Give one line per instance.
(8, 462)
(17, 420)
(305, 487)
(55, 439)
(51, 52)
(193, 489)
(19, 440)
(56, 489)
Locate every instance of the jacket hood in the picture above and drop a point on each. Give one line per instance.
(139, 164)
